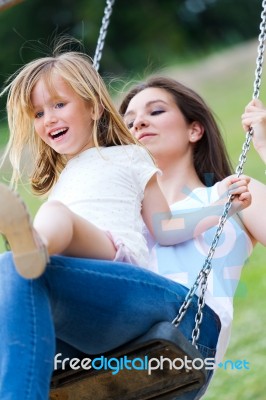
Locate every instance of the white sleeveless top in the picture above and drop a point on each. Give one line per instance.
(183, 262)
(106, 186)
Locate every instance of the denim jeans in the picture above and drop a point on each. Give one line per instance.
(83, 305)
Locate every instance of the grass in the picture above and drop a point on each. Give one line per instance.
(226, 83)
(247, 340)
(227, 93)
(3, 134)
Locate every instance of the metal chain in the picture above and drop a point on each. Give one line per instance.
(206, 268)
(97, 57)
(103, 31)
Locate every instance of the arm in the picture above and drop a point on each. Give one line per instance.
(168, 229)
(254, 217)
(255, 117)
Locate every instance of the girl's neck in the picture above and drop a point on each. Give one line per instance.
(177, 180)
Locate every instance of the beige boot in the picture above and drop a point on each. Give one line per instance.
(29, 253)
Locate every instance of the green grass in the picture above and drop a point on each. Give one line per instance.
(3, 134)
(247, 340)
(33, 203)
(227, 92)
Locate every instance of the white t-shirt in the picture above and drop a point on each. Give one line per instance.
(106, 187)
(183, 262)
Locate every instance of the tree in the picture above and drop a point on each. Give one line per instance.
(141, 33)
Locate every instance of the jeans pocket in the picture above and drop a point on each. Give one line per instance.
(206, 352)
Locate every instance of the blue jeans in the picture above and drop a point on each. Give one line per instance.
(84, 305)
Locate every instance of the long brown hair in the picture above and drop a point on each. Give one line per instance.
(211, 160)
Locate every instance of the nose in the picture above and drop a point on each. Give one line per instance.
(140, 123)
(50, 117)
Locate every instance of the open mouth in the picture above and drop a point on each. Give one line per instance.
(57, 134)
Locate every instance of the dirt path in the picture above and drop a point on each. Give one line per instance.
(217, 66)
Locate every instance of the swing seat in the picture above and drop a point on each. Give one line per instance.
(163, 341)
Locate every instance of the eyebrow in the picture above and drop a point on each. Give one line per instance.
(53, 98)
(149, 103)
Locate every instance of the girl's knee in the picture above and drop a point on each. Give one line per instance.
(51, 205)
(51, 209)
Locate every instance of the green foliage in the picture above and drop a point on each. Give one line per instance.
(147, 34)
(247, 340)
(140, 33)
(3, 134)
(225, 81)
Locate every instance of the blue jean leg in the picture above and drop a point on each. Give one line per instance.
(26, 336)
(92, 306)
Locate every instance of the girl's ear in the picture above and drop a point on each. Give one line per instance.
(97, 112)
(196, 132)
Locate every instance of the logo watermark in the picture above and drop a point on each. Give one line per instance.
(234, 365)
(144, 364)
(232, 251)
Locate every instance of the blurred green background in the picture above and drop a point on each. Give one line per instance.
(211, 46)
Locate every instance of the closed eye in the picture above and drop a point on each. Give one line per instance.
(157, 112)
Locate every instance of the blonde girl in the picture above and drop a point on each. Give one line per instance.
(83, 155)
(100, 183)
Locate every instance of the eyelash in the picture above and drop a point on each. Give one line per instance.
(59, 105)
(40, 113)
(157, 112)
(153, 113)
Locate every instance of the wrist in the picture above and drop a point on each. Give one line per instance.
(262, 153)
(221, 190)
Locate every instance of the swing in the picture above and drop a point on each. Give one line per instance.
(163, 339)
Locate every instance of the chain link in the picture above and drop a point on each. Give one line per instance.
(202, 277)
(97, 57)
(206, 268)
(103, 31)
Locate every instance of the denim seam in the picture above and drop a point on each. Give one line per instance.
(117, 277)
(192, 306)
(33, 339)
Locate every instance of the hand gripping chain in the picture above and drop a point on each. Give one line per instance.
(206, 268)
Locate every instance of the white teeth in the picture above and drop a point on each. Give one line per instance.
(58, 131)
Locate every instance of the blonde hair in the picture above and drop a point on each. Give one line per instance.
(76, 69)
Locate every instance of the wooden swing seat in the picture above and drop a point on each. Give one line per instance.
(163, 340)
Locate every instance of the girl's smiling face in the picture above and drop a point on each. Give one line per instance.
(62, 118)
(155, 120)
